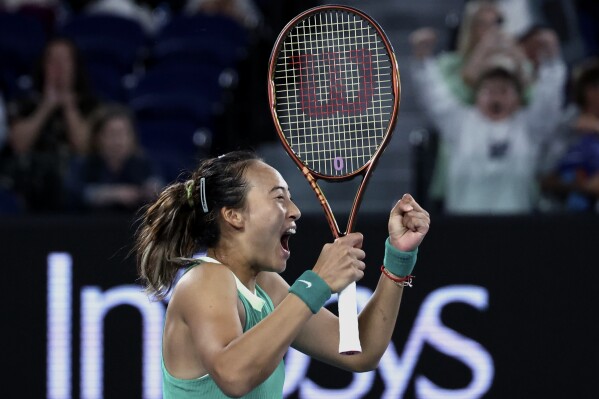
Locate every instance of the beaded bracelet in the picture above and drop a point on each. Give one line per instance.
(399, 281)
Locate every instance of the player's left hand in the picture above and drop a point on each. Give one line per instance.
(408, 224)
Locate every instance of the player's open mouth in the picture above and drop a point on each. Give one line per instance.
(285, 238)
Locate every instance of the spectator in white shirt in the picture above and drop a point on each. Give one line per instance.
(493, 144)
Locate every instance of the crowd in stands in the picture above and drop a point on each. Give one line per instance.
(115, 174)
(515, 134)
(105, 101)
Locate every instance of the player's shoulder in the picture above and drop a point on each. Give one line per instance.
(206, 277)
(204, 289)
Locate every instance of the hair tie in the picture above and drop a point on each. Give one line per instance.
(189, 185)
(203, 195)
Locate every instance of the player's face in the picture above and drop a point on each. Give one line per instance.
(497, 98)
(270, 217)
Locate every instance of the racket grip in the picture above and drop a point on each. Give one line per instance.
(349, 334)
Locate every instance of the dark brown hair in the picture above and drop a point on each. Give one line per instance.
(81, 84)
(175, 227)
(502, 73)
(585, 75)
(104, 114)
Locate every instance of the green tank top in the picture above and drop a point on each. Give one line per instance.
(257, 306)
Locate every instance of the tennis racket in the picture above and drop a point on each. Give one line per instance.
(334, 93)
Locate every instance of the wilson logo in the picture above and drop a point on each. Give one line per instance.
(332, 84)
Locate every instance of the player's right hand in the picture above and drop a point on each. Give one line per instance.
(340, 263)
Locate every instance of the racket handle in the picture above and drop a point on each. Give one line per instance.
(349, 334)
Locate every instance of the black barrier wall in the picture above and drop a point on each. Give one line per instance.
(501, 308)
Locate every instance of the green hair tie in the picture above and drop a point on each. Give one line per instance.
(189, 186)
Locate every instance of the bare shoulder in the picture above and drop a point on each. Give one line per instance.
(206, 283)
(202, 319)
(275, 286)
(206, 273)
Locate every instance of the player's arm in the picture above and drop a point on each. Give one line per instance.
(319, 337)
(206, 302)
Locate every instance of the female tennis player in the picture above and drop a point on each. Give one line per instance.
(231, 316)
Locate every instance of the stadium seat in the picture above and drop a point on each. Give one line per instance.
(174, 131)
(201, 38)
(184, 79)
(111, 46)
(10, 203)
(107, 82)
(22, 39)
(175, 107)
(103, 37)
(171, 142)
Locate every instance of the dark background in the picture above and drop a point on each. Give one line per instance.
(540, 327)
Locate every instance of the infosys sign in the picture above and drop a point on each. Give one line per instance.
(397, 369)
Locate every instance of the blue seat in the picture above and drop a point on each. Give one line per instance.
(10, 203)
(201, 38)
(107, 82)
(105, 39)
(185, 79)
(174, 143)
(22, 40)
(174, 131)
(175, 107)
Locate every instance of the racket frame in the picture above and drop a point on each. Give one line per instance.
(351, 345)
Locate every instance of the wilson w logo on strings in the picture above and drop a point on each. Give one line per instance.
(332, 83)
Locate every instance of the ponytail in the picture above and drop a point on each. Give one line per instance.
(184, 219)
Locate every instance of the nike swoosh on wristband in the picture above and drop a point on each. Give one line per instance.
(308, 284)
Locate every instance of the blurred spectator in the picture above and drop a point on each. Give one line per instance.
(47, 127)
(480, 40)
(492, 146)
(518, 15)
(246, 120)
(243, 11)
(139, 11)
(539, 43)
(116, 176)
(571, 164)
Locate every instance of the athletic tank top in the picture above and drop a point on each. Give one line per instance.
(257, 306)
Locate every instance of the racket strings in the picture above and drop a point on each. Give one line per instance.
(333, 88)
